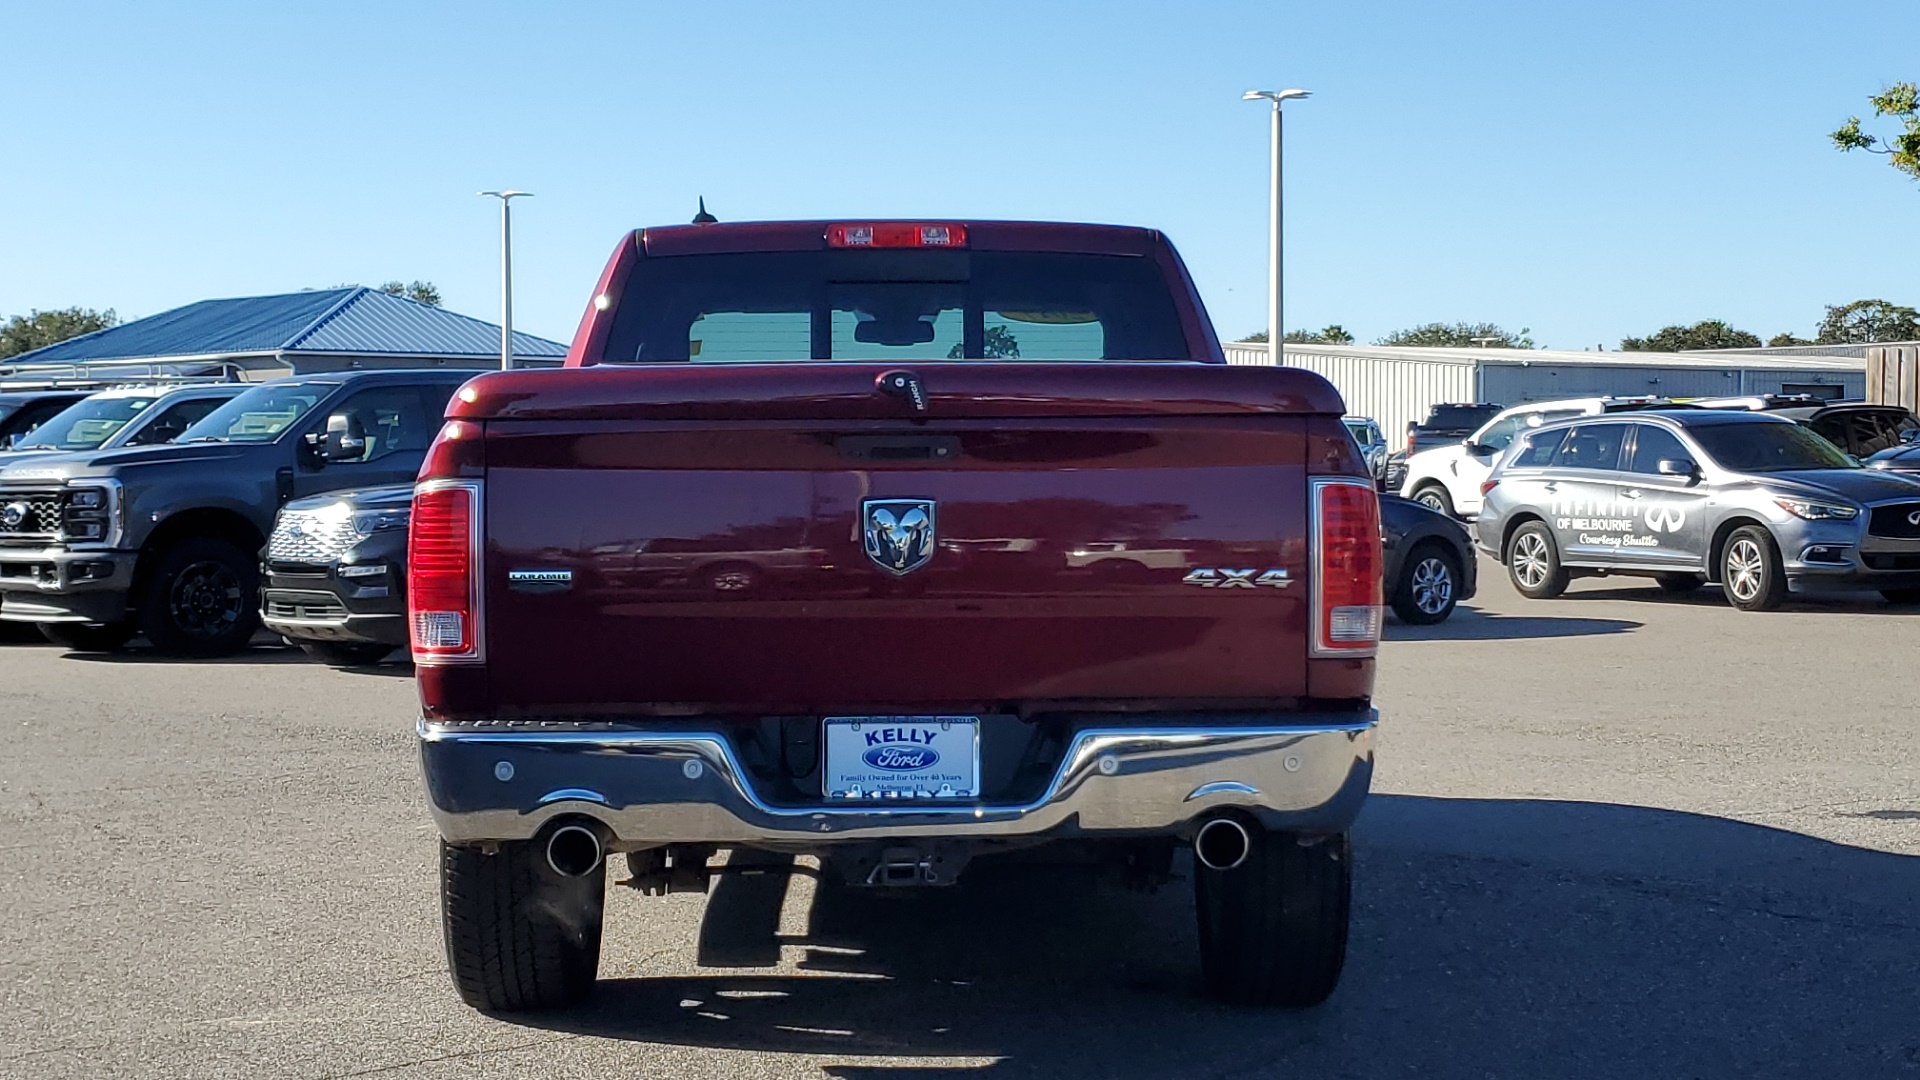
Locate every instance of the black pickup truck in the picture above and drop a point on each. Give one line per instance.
(1448, 423)
(96, 547)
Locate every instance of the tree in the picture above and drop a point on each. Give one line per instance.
(998, 343)
(1332, 335)
(423, 291)
(24, 333)
(1901, 101)
(1705, 334)
(1865, 321)
(1460, 336)
(1781, 340)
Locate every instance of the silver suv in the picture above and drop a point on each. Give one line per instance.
(1756, 502)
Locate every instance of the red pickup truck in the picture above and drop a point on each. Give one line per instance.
(793, 557)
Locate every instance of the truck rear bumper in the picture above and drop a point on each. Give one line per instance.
(1309, 774)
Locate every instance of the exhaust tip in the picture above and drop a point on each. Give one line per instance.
(574, 851)
(1222, 844)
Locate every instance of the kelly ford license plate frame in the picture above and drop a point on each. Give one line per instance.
(900, 757)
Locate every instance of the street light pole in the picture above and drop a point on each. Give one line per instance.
(1275, 327)
(506, 272)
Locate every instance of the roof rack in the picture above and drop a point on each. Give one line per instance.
(105, 374)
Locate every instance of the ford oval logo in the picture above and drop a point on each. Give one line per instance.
(900, 758)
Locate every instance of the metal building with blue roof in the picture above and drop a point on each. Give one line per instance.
(298, 333)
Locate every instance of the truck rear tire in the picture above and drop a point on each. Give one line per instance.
(1273, 930)
(202, 599)
(88, 637)
(519, 936)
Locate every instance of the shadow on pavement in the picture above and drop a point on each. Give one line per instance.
(1491, 938)
(1469, 624)
(143, 654)
(1711, 596)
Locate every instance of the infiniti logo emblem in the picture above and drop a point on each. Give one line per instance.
(1665, 519)
(1912, 519)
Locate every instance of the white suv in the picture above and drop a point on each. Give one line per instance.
(1448, 478)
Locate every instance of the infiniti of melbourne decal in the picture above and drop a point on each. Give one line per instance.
(1618, 523)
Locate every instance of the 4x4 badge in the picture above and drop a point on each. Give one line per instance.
(1237, 579)
(899, 533)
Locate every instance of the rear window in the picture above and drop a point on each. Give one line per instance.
(890, 305)
(1462, 416)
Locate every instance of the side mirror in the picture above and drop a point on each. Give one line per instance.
(346, 439)
(1480, 449)
(343, 440)
(1677, 467)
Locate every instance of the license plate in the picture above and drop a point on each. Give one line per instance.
(901, 757)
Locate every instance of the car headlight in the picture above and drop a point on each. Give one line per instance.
(368, 522)
(1817, 511)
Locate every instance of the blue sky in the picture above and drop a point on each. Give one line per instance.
(1589, 171)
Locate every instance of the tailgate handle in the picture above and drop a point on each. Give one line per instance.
(899, 447)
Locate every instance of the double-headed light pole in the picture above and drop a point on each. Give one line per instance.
(1275, 329)
(506, 272)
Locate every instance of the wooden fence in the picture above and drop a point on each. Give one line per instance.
(1893, 375)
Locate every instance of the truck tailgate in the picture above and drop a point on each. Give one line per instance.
(723, 564)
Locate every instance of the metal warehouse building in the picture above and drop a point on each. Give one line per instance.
(265, 337)
(1396, 386)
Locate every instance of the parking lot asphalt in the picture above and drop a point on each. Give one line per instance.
(1615, 834)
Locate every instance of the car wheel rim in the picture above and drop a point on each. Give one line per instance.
(1432, 586)
(206, 599)
(732, 580)
(1745, 565)
(1530, 560)
(1431, 501)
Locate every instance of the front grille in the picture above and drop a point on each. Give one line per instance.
(1900, 521)
(303, 605)
(311, 536)
(30, 515)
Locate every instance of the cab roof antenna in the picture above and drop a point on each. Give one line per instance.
(704, 218)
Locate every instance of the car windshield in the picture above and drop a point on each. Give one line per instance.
(1763, 447)
(895, 305)
(86, 425)
(260, 415)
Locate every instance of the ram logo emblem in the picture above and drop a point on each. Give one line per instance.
(899, 533)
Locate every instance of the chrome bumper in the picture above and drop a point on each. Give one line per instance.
(652, 787)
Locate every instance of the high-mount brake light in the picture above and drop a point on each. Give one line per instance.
(1347, 564)
(897, 234)
(443, 572)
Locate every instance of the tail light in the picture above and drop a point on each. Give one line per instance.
(1412, 442)
(897, 234)
(1486, 486)
(443, 572)
(1347, 568)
